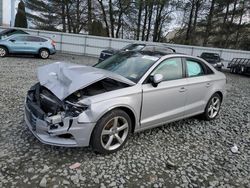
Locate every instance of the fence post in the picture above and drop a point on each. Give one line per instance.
(61, 36)
(109, 42)
(85, 45)
(192, 52)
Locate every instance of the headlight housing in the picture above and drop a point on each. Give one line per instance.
(75, 109)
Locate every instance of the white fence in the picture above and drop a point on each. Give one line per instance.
(92, 45)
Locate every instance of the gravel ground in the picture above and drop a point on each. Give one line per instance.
(187, 153)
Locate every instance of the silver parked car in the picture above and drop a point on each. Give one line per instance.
(74, 105)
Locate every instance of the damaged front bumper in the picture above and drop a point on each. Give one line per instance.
(70, 133)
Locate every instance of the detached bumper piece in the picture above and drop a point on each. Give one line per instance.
(54, 129)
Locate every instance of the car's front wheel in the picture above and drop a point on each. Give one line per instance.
(111, 132)
(213, 107)
(3, 51)
(44, 53)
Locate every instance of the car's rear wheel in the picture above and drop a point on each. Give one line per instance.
(242, 69)
(44, 53)
(3, 51)
(213, 107)
(111, 132)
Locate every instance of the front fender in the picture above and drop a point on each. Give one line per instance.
(99, 109)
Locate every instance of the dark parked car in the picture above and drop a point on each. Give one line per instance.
(135, 47)
(9, 32)
(213, 58)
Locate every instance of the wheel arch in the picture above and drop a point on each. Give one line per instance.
(5, 47)
(131, 113)
(43, 48)
(220, 94)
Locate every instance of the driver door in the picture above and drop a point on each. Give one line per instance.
(166, 102)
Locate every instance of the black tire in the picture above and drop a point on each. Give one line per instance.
(234, 70)
(219, 68)
(206, 115)
(231, 70)
(99, 138)
(44, 53)
(3, 51)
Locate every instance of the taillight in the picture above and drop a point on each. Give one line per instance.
(53, 43)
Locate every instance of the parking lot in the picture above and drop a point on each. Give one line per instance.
(187, 153)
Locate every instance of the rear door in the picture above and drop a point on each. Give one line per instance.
(34, 43)
(199, 84)
(165, 102)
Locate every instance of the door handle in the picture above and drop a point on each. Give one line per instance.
(208, 84)
(182, 89)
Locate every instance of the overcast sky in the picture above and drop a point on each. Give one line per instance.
(7, 10)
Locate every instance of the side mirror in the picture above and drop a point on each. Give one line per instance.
(12, 40)
(156, 79)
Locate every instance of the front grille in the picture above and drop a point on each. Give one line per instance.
(31, 118)
(49, 103)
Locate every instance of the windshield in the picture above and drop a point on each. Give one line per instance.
(131, 65)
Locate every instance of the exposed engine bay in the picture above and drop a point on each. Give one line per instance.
(45, 105)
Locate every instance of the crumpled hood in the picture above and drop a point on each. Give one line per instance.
(63, 79)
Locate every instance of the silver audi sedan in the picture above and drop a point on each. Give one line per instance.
(100, 106)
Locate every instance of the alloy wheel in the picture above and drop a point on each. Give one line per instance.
(114, 133)
(242, 69)
(44, 54)
(2, 52)
(214, 107)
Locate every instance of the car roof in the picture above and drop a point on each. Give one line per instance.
(155, 53)
(6, 31)
(16, 35)
(210, 53)
(154, 45)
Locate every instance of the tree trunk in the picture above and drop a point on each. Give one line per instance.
(239, 25)
(189, 28)
(157, 24)
(68, 17)
(89, 16)
(111, 18)
(230, 25)
(77, 30)
(139, 20)
(104, 17)
(197, 8)
(119, 22)
(209, 23)
(145, 22)
(63, 15)
(149, 20)
(223, 26)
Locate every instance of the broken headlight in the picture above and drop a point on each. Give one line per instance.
(75, 109)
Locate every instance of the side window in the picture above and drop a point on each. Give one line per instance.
(171, 69)
(194, 68)
(34, 39)
(42, 40)
(19, 38)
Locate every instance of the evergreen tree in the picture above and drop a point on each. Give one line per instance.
(21, 20)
